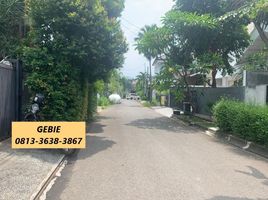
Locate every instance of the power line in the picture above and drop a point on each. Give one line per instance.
(129, 22)
(135, 33)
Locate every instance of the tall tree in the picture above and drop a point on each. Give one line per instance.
(142, 85)
(114, 8)
(144, 45)
(71, 45)
(226, 41)
(11, 29)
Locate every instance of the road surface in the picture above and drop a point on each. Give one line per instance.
(134, 153)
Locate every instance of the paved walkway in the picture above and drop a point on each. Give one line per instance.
(165, 111)
(134, 153)
(23, 171)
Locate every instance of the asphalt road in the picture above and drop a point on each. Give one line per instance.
(133, 153)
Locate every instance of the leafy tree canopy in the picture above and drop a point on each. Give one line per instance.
(71, 45)
(11, 18)
(255, 11)
(114, 7)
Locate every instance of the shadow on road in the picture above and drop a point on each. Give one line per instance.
(256, 174)
(95, 128)
(237, 150)
(101, 118)
(162, 123)
(95, 145)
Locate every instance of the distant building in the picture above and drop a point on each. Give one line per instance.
(158, 65)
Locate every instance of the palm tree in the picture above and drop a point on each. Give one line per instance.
(143, 46)
(142, 84)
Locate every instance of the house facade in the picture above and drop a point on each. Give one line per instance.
(256, 45)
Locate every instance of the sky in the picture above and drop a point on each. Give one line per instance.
(136, 15)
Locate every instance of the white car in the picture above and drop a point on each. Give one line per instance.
(133, 96)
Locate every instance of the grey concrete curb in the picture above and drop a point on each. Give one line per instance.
(34, 195)
(240, 143)
(231, 139)
(260, 150)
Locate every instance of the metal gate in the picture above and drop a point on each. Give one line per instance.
(10, 97)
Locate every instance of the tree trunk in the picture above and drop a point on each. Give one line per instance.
(188, 92)
(187, 87)
(214, 74)
(261, 33)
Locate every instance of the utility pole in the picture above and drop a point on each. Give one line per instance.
(150, 81)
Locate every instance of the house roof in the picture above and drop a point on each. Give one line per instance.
(256, 45)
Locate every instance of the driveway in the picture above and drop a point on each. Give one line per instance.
(134, 153)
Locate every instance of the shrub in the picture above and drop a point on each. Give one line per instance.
(103, 101)
(146, 104)
(153, 103)
(92, 102)
(247, 121)
(224, 115)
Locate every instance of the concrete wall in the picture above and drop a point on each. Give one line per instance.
(256, 87)
(256, 95)
(204, 97)
(253, 79)
(254, 91)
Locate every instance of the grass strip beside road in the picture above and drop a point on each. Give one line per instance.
(193, 120)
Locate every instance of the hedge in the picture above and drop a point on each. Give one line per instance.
(246, 121)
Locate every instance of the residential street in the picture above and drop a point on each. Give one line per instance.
(134, 153)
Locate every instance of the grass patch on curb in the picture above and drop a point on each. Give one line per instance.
(146, 104)
(197, 121)
(150, 104)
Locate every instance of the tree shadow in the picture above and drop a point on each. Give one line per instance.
(233, 198)
(256, 174)
(163, 123)
(95, 145)
(95, 128)
(265, 182)
(101, 118)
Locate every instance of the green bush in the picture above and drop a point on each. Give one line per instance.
(103, 101)
(153, 103)
(247, 121)
(64, 68)
(146, 104)
(92, 102)
(225, 112)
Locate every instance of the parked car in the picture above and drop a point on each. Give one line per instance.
(133, 96)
